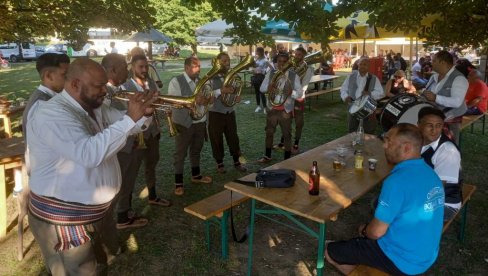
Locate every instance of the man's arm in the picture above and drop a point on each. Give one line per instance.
(264, 85)
(375, 229)
(377, 92)
(344, 90)
(474, 102)
(297, 88)
(306, 80)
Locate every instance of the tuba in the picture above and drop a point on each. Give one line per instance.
(205, 90)
(276, 95)
(310, 59)
(229, 99)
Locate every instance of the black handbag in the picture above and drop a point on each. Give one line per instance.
(279, 178)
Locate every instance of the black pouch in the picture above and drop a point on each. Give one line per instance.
(279, 178)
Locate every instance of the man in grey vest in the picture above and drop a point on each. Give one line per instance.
(361, 83)
(191, 132)
(447, 88)
(222, 120)
(280, 114)
(52, 70)
(136, 150)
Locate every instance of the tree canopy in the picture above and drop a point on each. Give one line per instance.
(70, 19)
(179, 19)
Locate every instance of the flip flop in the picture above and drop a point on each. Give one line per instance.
(134, 222)
(201, 179)
(179, 190)
(160, 202)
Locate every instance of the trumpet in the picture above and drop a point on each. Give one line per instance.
(230, 99)
(163, 104)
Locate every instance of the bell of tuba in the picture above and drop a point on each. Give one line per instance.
(229, 99)
(205, 90)
(276, 95)
(310, 59)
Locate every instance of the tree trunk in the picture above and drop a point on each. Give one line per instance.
(194, 49)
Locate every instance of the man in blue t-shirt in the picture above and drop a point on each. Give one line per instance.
(403, 237)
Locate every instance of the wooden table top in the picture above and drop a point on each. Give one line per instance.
(14, 110)
(338, 189)
(319, 78)
(11, 149)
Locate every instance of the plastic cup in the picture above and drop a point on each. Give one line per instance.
(372, 164)
(337, 164)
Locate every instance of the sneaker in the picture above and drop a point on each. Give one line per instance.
(201, 179)
(264, 111)
(257, 109)
(160, 202)
(221, 168)
(264, 159)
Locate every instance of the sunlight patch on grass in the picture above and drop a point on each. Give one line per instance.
(132, 245)
(273, 241)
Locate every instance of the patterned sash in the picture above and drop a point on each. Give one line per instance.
(69, 219)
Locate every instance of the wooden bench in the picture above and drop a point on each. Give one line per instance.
(320, 92)
(469, 120)
(468, 190)
(216, 208)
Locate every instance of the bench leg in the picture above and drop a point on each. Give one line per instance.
(483, 127)
(463, 221)
(251, 237)
(321, 248)
(207, 234)
(224, 236)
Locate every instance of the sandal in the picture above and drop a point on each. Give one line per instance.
(264, 159)
(134, 222)
(201, 179)
(160, 202)
(179, 190)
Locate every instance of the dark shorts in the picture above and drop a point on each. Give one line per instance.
(362, 251)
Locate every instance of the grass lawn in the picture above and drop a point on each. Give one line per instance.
(173, 243)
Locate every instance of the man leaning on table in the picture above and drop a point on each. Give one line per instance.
(403, 237)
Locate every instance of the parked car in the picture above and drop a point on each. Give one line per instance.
(40, 50)
(18, 51)
(57, 48)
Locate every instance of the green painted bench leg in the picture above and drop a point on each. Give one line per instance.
(224, 236)
(207, 233)
(320, 254)
(251, 237)
(463, 222)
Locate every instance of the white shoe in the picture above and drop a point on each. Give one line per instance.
(264, 111)
(257, 109)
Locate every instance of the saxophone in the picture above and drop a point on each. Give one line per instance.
(229, 99)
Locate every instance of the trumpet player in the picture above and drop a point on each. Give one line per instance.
(222, 120)
(280, 114)
(138, 150)
(191, 132)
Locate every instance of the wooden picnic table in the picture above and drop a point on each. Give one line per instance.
(11, 157)
(338, 189)
(7, 122)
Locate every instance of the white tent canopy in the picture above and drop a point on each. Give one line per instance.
(213, 32)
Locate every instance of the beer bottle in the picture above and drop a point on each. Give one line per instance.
(314, 180)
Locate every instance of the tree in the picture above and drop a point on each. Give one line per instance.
(458, 22)
(70, 19)
(179, 19)
(310, 17)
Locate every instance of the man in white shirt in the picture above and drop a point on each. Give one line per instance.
(192, 132)
(447, 89)
(442, 155)
(361, 83)
(282, 106)
(417, 76)
(73, 141)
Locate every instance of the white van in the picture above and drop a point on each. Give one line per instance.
(11, 51)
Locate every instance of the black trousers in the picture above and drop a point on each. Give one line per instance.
(220, 125)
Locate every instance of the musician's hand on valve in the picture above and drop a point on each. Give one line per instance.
(348, 100)
(429, 95)
(227, 89)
